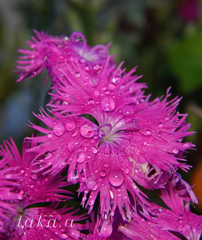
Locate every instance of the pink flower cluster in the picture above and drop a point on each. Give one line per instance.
(105, 135)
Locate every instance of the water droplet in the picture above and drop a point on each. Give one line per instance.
(86, 68)
(116, 80)
(126, 170)
(106, 229)
(78, 74)
(64, 236)
(161, 125)
(96, 93)
(97, 68)
(48, 156)
(93, 150)
(32, 186)
(91, 184)
(47, 199)
(90, 102)
(70, 126)
(101, 133)
(116, 177)
(111, 86)
(186, 145)
(107, 104)
(34, 176)
(81, 157)
(94, 81)
(106, 165)
(49, 135)
(107, 92)
(91, 202)
(167, 118)
(8, 176)
(148, 133)
(128, 110)
(102, 173)
(175, 150)
(22, 194)
(22, 171)
(87, 131)
(72, 145)
(133, 125)
(59, 129)
(75, 133)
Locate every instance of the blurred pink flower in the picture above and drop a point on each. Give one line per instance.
(21, 188)
(59, 54)
(174, 222)
(189, 10)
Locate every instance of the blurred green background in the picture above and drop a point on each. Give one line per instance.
(162, 37)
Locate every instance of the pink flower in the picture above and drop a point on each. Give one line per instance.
(59, 54)
(133, 138)
(106, 132)
(20, 187)
(163, 223)
(44, 222)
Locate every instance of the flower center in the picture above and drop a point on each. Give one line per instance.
(104, 131)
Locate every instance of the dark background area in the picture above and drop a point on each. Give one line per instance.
(162, 37)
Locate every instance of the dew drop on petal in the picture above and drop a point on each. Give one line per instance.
(59, 129)
(116, 80)
(34, 176)
(107, 92)
(106, 229)
(8, 176)
(116, 177)
(64, 236)
(90, 102)
(49, 135)
(93, 150)
(22, 171)
(22, 194)
(106, 165)
(81, 157)
(186, 145)
(86, 68)
(128, 110)
(78, 74)
(133, 125)
(111, 86)
(87, 131)
(94, 81)
(101, 133)
(75, 133)
(91, 184)
(48, 156)
(107, 104)
(96, 93)
(72, 145)
(175, 150)
(102, 173)
(148, 133)
(70, 126)
(161, 125)
(126, 170)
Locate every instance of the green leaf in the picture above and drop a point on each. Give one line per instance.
(186, 61)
